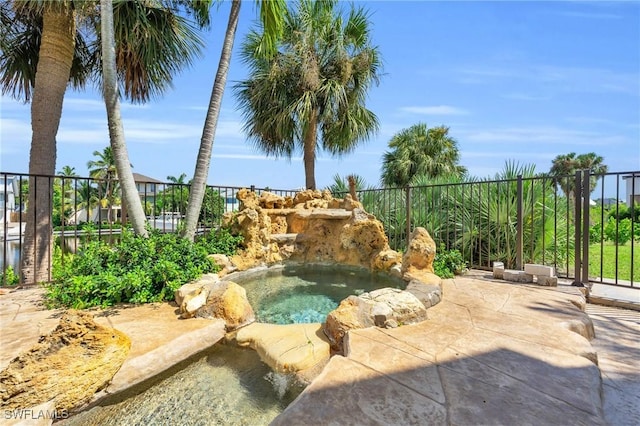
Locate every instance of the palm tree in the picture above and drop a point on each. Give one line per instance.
(271, 14)
(314, 86)
(132, 201)
(104, 170)
(178, 180)
(87, 197)
(564, 167)
(417, 151)
(68, 195)
(42, 51)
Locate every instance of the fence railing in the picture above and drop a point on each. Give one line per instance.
(551, 221)
(76, 201)
(545, 220)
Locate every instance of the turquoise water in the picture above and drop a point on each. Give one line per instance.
(306, 294)
(226, 386)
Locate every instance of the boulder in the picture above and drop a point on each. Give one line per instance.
(385, 260)
(193, 288)
(428, 294)
(422, 276)
(193, 301)
(248, 199)
(286, 348)
(78, 358)
(228, 301)
(386, 308)
(223, 262)
(420, 252)
(269, 200)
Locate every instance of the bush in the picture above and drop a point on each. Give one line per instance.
(134, 270)
(622, 234)
(595, 233)
(220, 241)
(448, 263)
(9, 277)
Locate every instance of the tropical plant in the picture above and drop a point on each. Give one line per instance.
(134, 269)
(87, 197)
(271, 16)
(564, 167)
(132, 201)
(180, 180)
(418, 151)
(42, 51)
(618, 231)
(340, 185)
(67, 194)
(314, 87)
(104, 170)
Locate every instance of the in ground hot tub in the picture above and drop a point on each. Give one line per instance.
(306, 293)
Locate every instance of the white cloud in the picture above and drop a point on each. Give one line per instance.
(86, 104)
(541, 134)
(15, 135)
(434, 110)
(553, 77)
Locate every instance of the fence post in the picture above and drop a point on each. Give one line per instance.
(586, 193)
(519, 224)
(577, 224)
(408, 208)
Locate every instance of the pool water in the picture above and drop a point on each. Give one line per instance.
(307, 293)
(227, 385)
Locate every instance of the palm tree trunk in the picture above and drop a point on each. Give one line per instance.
(309, 155)
(116, 130)
(199, 182)
(54, 66)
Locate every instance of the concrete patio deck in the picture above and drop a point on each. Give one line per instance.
(490, 353)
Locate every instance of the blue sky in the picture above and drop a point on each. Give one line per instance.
(520, 81)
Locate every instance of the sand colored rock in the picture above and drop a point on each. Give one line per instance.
(420, 252)
(386, 308)
(319, 228)
(287, 348)
(69, 365)
(228, 301)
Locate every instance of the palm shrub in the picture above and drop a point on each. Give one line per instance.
(484, 223)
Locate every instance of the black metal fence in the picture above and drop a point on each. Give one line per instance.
(586, 226)
(85, 205)
(544, 220)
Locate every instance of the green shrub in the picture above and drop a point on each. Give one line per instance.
(595, 233)
(448, 263)
(134, 270)
(220, 241)
(9, 277)
(618, 231)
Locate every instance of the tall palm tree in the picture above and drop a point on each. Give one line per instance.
(42, 51)
(132, 202)
(104, 169)
(564, 167)
(417, 151)
(271, 14)
(315, 86)
(87, 197)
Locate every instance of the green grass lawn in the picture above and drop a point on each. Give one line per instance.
(625, 262)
